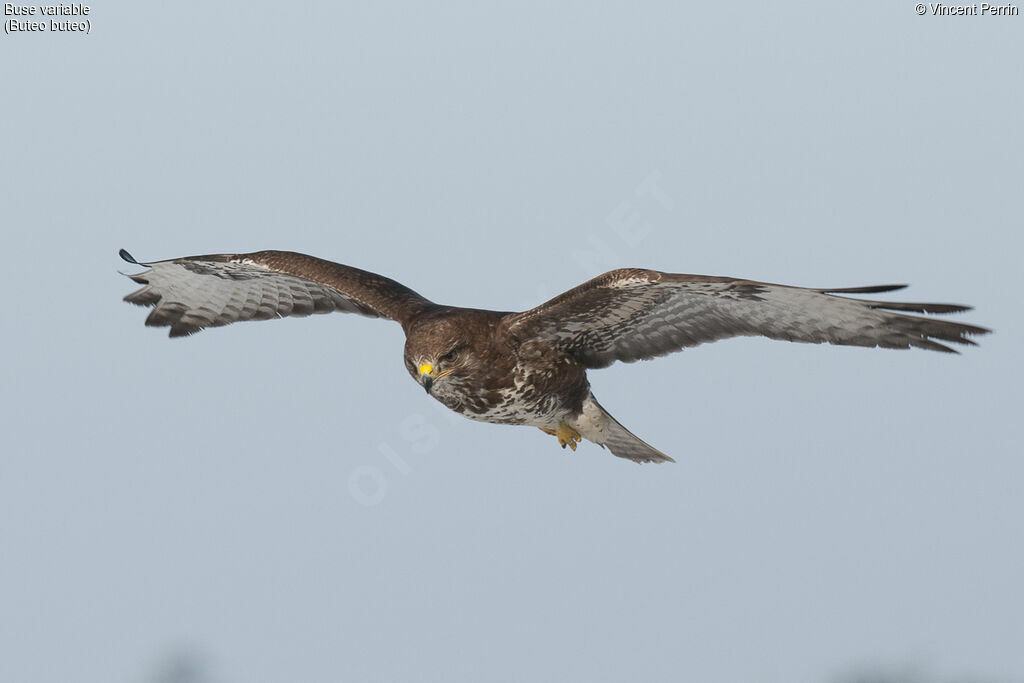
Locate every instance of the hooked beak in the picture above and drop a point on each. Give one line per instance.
(426, 376)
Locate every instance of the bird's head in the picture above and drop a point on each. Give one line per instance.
(440, 356)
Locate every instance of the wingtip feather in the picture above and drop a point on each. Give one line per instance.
(870, 289)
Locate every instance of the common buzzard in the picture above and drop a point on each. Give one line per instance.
(530, 368)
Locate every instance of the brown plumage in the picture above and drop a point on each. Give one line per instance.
(529, 368)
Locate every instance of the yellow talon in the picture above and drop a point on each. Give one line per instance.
(567, 436)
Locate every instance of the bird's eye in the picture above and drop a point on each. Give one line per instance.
(450, 356)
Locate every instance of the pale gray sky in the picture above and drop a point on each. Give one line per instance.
(279, 502)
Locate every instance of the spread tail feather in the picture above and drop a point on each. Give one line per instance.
(597, 425)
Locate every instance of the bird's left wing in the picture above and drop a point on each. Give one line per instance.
(195, 292)
(633, 314)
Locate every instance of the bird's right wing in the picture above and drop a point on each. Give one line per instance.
(192, 293)
(634, 314)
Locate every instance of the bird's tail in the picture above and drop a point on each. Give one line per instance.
(597, 425)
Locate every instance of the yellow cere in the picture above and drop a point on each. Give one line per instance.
(426, 369)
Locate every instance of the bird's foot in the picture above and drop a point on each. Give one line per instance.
(566, 435)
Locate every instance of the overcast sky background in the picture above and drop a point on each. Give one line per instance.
(279, 502)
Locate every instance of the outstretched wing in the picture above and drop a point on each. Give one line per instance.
(195, 292)
(633, 314)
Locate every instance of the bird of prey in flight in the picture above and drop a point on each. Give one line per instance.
(530, 368)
